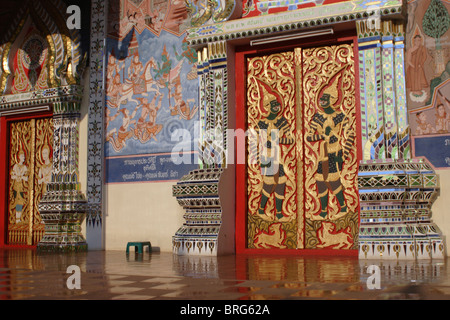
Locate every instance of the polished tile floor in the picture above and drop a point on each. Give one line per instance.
(114, 275)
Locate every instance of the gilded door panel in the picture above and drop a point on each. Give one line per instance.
(330, 159)
(272, 170)
(302, 158)
(30, 169)
(43, 171)
(21, 140)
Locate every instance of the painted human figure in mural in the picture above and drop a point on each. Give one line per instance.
(135, 71)
(442, 119)
(327, 126)
(423, 126)
(415, 59)
(180, 106)
(113, 76)
(114, 81)
(274, 130)
(19, 175)
(191, 55)
(148, 129)
(155, 18)
(125, 132)
(108, 119)
(163, 70)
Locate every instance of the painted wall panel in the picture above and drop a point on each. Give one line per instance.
(151, 89)
(427, 78)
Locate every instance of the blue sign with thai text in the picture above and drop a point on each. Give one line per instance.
(436, 149)
(147, 168)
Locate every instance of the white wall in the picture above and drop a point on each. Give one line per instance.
(141, 211)
(441, 207)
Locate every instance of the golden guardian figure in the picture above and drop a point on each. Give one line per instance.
(273, 131)
(327, 127)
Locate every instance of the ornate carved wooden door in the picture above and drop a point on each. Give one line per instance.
(302, 159)
(30, 169)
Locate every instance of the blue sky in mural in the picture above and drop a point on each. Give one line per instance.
(177, 109)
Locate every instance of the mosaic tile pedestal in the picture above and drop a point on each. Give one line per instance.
(63, 209)
(201, 234)
(396, 199)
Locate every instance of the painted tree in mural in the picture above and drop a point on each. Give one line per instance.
(436, 21)
(435, 24)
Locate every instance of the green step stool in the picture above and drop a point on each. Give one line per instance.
(139, 246)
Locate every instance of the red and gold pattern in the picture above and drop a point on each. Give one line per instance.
(297, 79)
(30, 66)
(30, 170)
(274, 73)
(330, 68)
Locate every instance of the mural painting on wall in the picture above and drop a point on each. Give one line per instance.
(428, 79)
(302, 161)
(151, 90)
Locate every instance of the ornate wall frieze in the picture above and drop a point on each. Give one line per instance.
(213, 88)
(46, 96)
(291, 21)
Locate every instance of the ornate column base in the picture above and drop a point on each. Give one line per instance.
(198, 194)
(63, 210)
(396, 199)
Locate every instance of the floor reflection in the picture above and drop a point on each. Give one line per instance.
(307, 269)
(410, 271)
(26, 274)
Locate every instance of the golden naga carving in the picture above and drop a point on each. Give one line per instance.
(202, 12)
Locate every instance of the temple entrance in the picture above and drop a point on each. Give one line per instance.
(29, 167)
(301, 154)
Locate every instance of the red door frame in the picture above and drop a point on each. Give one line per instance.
(241, 55)
(4, 170)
